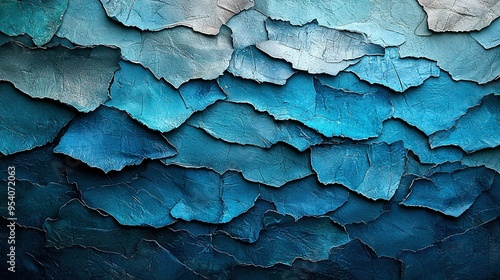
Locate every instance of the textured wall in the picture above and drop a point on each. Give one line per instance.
(250, 139)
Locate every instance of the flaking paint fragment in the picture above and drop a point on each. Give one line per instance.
(78, 225)
(86, 23)
(354, 260)
(394, 72)
(395, 230)
(460, 15)
(394, 23)
(26, 123)
(40, 19)
(135, 196)
(304, 99)
(396, 130)
(489, 158)
(241, 124)
(198, 254)
(473, 252)
(415, 167)
(153, 102)
(199, 94)
(251, 63)
(488, 37)
(373, 171)
(274, 167)
(247, 226)
(476, 130)
(325, 11)
(205, 16)
(195, 56)
(314, 48)
(373, 18)
(24, 40)
(109, 139)
(357, 209)
(212, 198)
(450, 193)
(156, 195)
(248, 28)
(465, 59)
(78, 77)
(433, 106)
(349, 82)
(305, 197)
(313, 238)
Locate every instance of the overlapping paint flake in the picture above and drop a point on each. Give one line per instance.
(40, 19)
(314, 48)
(478, 246)
(395, 230)
(241, 124)
(395, 23)
(203, 16)
(39, 165)
(313, 239)
(274, 167)
(305, 197)
(188, 54)
(450, 193)
(488, 37)
(248, 28)
(156, 195)
(396, 130)
(26, 123)
(476, 130)
(153, 102)
(460, 15)
(251, 63)
(86, 23)
(319, 107)
(247, 226)
(78, 77)
(486, 157)
(109, 139)
(159, 261)
(373, 171)
(194, 55)
(396, 73)
(439, 102)
(357, 209)
(35, 202)
(352, 260)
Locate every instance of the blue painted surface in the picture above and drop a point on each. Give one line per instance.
(247, 139)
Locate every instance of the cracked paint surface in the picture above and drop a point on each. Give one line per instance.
(203, 16)
(250, 139)
(36, 18)
(448, 15)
